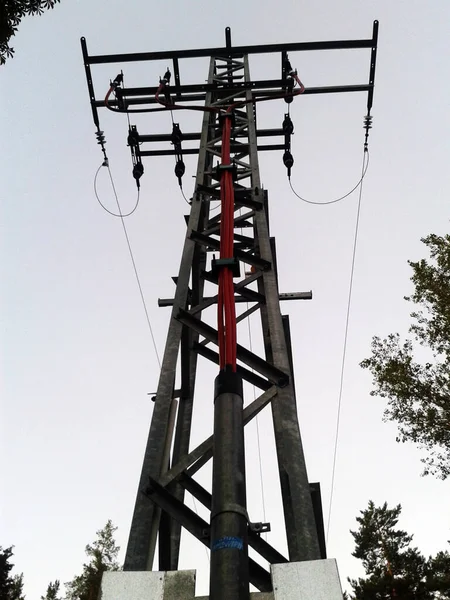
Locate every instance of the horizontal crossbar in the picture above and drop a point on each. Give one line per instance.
(237, 51)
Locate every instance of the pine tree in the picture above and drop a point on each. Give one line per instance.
(103, 557)
(5, 568)
(17, 588)
(11, 587)
(418, 393)
(52, 591)
(395, 570)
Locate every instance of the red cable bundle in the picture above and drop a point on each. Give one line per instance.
(226, 305)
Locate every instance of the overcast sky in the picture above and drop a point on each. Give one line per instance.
(77, 357)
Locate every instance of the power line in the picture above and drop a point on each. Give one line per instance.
(196, 512)
(101, 203)
(134, 267)
(344, 350)
(364, 171)
(184, 196)
(261, 479)
(257, 428)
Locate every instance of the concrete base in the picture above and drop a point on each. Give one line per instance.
(148, 585)
(309, 580)
(253, 596)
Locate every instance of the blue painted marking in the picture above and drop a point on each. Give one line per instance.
(228, 542)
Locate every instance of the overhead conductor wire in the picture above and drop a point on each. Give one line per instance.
(261, 480)
(121, 215)
(122, 218)
(344, 349)
(363, 174)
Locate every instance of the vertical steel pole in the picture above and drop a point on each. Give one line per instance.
(229, 578)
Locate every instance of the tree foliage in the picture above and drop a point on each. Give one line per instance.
(418, 393)
(52, 591)
(5, 568)
(103, 557)
(395, 570)
(11, 14)
(11, 586)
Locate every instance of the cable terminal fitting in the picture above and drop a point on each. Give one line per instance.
(368, 119)
(232, 168)
(166, 79)
(217, 264)
(118, 80)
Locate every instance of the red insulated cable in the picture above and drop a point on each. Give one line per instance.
(226, 307)
(229, 336)
(232, 305)
(158, 91)
(220, 323)
(227, 250)
(108, 95)
(233, 339)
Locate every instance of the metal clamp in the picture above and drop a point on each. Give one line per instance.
(232, 508)
(259, 527)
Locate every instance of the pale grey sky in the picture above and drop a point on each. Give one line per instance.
(77, 358)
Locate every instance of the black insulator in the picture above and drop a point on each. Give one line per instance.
(287, 65)
(180, 169)
(100, 135)
(368, 121)
(119, 97)
(138, 170)
(288, 160)
(167, 96)
(133, 137)
(167, 76)
(177, 135)
(290, 86)
(118, 80)
(288, 125)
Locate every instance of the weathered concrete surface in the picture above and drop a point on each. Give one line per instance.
(148, 585)
(253, 596)
(179, 585)
(307, 580)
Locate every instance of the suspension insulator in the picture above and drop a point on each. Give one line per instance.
(288, 125)
(180, 169)
(288, 160)
(290, 86)
(177, 135)
(138, 171)
(133, 137)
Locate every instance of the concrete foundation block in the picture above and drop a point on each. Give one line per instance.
(253, 596)
(308, 580)
(148, 585)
